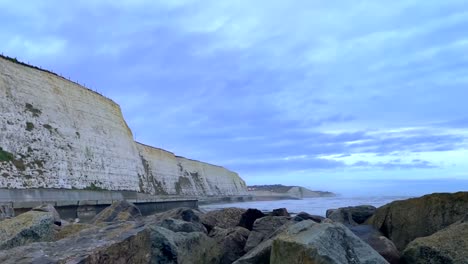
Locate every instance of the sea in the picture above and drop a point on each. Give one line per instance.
(314, 206)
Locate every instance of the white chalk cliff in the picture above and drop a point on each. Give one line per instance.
(57, 134)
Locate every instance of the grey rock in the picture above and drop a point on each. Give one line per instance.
(32, 226)
(310, 242)
(378, 242)
(49, 208)
(305, 216)
(351, 216)
(181, 213)
(450, 245)
(404, 221)
(125, 242)
(177, 225)
(280, 212)
(6, 211)
(169, 247)
(248, 218)
(118, 211)
(232, 242)
(224, 218)
(263, 229)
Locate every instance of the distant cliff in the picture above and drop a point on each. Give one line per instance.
(286, 191)
(57, 134)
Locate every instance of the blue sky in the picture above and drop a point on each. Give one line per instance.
(349, 96)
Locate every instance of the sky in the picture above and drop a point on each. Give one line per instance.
(352, 96)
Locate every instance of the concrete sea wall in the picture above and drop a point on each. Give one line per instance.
(56, 134)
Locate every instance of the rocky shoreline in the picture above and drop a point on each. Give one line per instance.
(429, 229)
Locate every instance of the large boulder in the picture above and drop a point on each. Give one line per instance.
(404, 221)
(378, 242)
(450, 245)
(263, 228)
(49, 208)
(248, 218)
(232, 242)
(305, 216)
(352, 215)
(310, 242)
(118, 211)
(32, 226)
(124, 242)
(169, 247)
(224, 218)
(177, 225)
(280, 212)
(181, 213)
(261, 253)
(70, 230)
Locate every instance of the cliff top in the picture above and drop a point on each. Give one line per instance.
(279, 188)
(16, 61)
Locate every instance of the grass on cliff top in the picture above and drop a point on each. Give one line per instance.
(6, 156)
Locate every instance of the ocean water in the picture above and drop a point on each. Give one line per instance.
(315, 206)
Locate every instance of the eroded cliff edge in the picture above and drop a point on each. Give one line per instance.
(57, 134)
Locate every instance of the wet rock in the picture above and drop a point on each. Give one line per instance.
(305, 216)
(310, 242)
(263, 229)
(114, 243)
(248, 218)
(32, 226)
(232, 242)
(280, 212)
(404, 221)
(169, 247)
(351, 216)
(224, 218)
(378, 242)
(118, 211)
(450, 245)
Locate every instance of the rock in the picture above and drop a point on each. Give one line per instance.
(232, 242)
(124, 242)
(118, 211)
(378, 242)
(450, 245)
(261, 253)
(280, 212)
(263, 229)
(32, 226)
(248, 218)
(181, 213)
(224, 218)
(70, 230)
(351, 216)
(177, 225)
(305, 216)
(6, 211)
(168, 247)
(404, 221)
(310, 242)
(49, 208)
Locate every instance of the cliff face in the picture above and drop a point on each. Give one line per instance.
(169, 174)
(57, 134)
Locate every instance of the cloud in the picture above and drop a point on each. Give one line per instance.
(229, 83)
